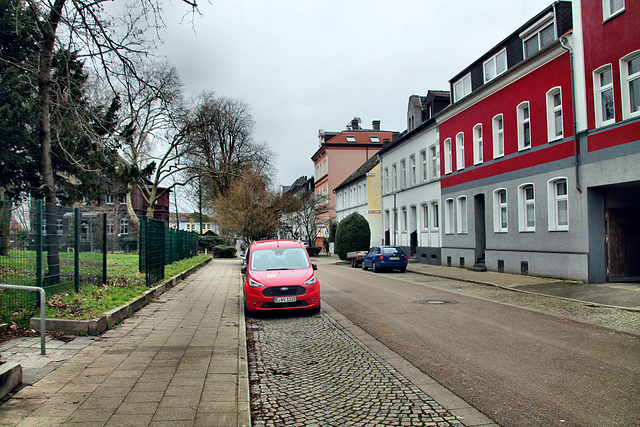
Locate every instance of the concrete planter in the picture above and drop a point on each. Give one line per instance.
(100, 324)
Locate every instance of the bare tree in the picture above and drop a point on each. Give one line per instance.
(155, 132)
(248, 209)
(222, 144)
(311, 207)
(83, 26)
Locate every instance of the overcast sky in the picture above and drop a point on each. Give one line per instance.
(305, 65)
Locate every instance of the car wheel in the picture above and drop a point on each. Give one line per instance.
(316, 310)
(375, 268)
(364, 267)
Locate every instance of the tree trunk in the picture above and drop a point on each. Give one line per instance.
(132, 213)
(49, 27)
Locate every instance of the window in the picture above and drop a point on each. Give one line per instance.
(435, 166)
(404, 220)
(447, 155)
(403, 174)
(500, 222)
(394, 170)
(60, 226)
(462, 215)
(526, 208)
(495, 66)
(375, 139)
(108, 199)
(460, 151)
(424, 174)
(124, 226)
(448, 216)
(386, 180)
(477, 144)
(462, 88)
(630, 76)
(111, 229)
(414, 172)
(554, 114)
(603, 88)
(435, 210)
(351, 138)
(524, 127)
(611, 8)
(425, 216)
(558, 205)
(498, 136)
(539, 40)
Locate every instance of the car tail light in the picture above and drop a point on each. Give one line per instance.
(381, 257)
(405, 256)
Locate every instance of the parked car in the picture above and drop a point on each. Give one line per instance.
(385, 257)
(279, 275)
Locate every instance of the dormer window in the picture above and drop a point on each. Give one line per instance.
(543, 36)
(462, 88)
(375, 138)
(351, 138)
(495, 66)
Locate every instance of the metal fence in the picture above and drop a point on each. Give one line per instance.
(62, 249)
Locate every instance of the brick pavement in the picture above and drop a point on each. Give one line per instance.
(180, 360)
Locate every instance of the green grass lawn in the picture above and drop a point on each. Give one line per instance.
(124, 282)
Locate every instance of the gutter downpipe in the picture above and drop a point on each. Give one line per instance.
(576, 140)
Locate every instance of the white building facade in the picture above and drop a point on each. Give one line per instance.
(410, 187)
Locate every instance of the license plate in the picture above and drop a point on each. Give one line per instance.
(394, 258)
(285, 299)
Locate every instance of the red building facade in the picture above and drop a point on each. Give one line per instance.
(538, 145)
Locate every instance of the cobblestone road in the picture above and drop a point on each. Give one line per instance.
(309, 371)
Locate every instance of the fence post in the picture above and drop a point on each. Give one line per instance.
(105, 248)
(76, 249)
(38, 231)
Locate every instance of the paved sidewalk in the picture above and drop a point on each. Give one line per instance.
(620, 295)
(180, 360)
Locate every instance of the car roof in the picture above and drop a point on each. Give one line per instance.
(270, 244)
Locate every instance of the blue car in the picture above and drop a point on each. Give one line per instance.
(385, 257)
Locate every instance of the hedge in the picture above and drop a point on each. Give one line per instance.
(221, 251)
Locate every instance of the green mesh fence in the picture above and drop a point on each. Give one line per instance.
(63, 249)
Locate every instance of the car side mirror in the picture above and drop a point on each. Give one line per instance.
(315, 266)
(243, 270)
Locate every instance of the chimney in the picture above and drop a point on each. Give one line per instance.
(375, 124)
(355, 123)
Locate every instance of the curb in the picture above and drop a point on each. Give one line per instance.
(523, 291)
(98, 325)
(10, 377)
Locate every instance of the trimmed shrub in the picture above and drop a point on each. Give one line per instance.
(314, 250)
(224, 251)
(209, 242)
(353, 234)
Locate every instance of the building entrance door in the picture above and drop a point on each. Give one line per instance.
(623, 244)
(480, 230)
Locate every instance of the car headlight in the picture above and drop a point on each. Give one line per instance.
(255, 284)
(311, 281)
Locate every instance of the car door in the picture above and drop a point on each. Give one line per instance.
(367, 261)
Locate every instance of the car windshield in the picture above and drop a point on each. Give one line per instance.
(392, 251)
(279, 259)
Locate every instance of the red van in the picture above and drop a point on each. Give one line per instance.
(279, 275)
